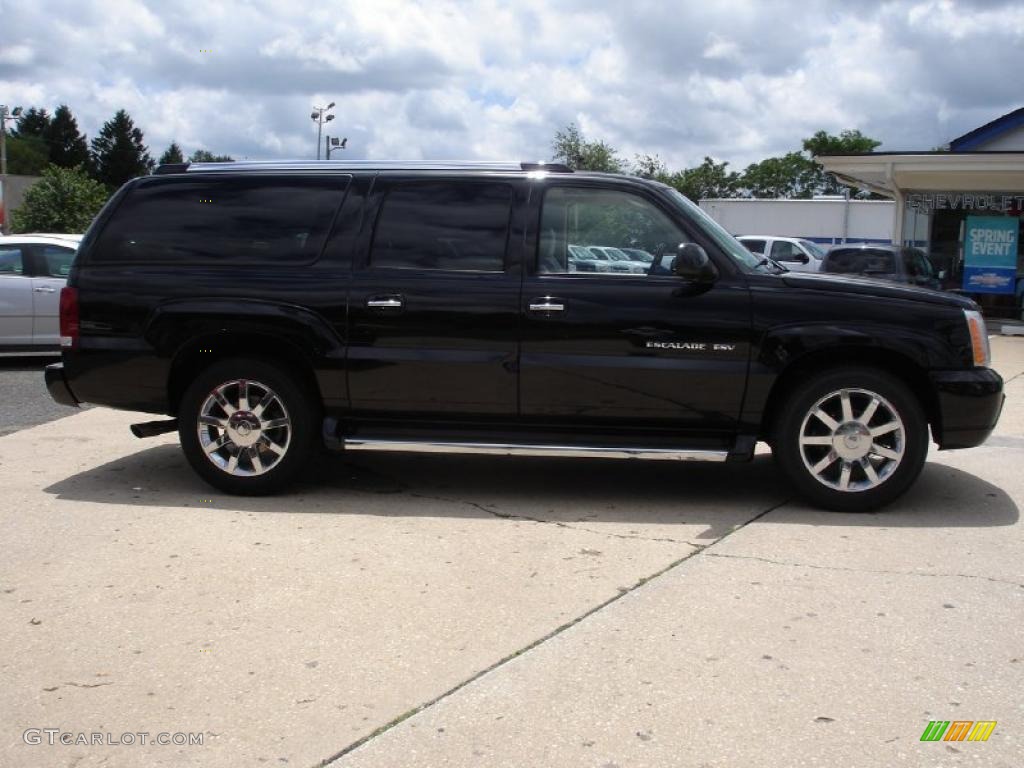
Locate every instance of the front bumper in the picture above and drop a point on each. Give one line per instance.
(58, 385)
(969, 405)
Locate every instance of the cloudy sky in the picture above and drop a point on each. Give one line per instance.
(737, 80)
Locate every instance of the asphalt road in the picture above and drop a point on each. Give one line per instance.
(24, 401)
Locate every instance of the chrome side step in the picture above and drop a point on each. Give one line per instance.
(514, 449)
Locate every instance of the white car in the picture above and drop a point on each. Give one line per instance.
(33, 269)
(794, 253)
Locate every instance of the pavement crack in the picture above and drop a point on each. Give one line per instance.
(557, 523)
(849, 569)
(697, 549)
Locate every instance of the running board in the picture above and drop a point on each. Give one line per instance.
(516, 449)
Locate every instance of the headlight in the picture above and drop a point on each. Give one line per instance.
(979, 338)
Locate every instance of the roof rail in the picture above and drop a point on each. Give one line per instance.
(358, 165)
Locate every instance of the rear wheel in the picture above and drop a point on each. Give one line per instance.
(852, 439)
(246, 426)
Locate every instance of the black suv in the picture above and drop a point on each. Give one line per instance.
(272, 307)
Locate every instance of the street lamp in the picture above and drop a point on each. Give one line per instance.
(4, 117)
(320, 118)
(334, 143)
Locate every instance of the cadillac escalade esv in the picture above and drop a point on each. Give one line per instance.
(274, 308)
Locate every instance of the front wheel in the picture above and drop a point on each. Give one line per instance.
(852, 439)
(246, 426)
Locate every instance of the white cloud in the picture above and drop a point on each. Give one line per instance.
(737, 80)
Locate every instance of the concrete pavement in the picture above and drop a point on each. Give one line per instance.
(439, 610)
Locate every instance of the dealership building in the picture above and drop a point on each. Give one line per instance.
(963, 205)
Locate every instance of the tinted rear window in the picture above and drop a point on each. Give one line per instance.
(444, 225)
(247, 219)
(860, 260)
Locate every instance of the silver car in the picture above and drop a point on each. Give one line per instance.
(33, 269)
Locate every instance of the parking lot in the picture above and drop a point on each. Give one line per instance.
(426, 610)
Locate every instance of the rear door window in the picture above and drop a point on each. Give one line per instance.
(783, 250)
(223, 220)
(754, 246)
(443, 225)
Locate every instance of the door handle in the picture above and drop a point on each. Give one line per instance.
(547, 304)
(385, 302)
(44, 289)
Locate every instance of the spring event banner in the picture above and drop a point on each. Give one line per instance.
(990, 254)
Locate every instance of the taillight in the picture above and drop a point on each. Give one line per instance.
(69, 317)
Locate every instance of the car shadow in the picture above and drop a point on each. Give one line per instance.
(553, 489)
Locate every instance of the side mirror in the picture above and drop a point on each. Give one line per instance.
(692, 263)
(801, 258)
(942, 274)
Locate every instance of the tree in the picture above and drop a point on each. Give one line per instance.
(118, 152)
(709, 179)
(67, 146)
(204, 156)
(33, 123)
(571, 148)
(651, 167)
(63, 200)
(172, 155)
(26, 155)
(848, 142)
(791, 175)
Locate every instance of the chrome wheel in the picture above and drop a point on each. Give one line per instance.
(244, 428)
(852, 440)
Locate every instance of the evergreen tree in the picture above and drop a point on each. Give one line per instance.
(33, 124)
(204, 156)
(67, 146)
(118, 152)
(172, 155)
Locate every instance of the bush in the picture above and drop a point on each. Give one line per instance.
(63, 200)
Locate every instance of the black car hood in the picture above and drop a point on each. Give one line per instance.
(820, 281)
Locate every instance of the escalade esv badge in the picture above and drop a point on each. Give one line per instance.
(690, 346)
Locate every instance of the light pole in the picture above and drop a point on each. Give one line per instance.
(319, 117)
(4, 117)
(335, 144)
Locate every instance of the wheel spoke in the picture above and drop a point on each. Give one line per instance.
(254, 457)
(217, 444)
(844, 476)
(222, 401)
(263, 404)
(213, 421)
(869, 470)
(824, 463)
(243, 395)
(847, 406)
(885, 453)
(232, 464)
(275, 423)
(885, 429)
(278, 449)
(825, 419)
(865, 417)
(816, 440)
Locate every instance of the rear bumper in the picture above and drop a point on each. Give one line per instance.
(57, 384)
(969, 405)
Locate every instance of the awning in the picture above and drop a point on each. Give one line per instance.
(895, 174)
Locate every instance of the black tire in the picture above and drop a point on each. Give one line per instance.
(799, 420)
(277, 455)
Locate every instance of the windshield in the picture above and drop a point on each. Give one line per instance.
(814, 249)
(714, 230)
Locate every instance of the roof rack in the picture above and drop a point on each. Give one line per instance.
(358, 165)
